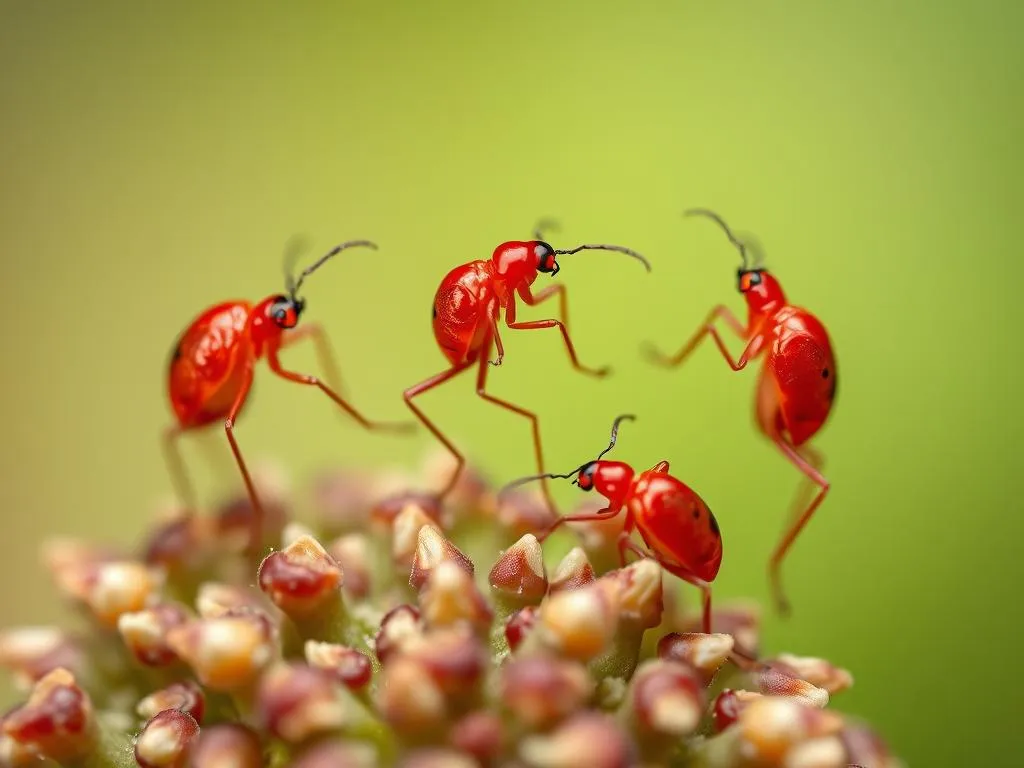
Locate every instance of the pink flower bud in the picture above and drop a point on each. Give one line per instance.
(348, 666)
(519, 572)
(145, 633)
(185, 696)
(165, 741)
(57, 721)
(396, 628)
(301, 579)
(432, 548)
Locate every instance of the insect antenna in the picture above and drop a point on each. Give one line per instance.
(617, 248)
(531, 478)
(295, 283)
(549, 225)
(742, 246)
(615, 433)
(566, 476)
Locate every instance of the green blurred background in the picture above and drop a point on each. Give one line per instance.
(156, 159)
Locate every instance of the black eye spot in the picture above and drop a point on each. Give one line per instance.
(824, 374)
(696, 513)
(714, 526)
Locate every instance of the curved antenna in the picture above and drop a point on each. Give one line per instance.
(531, 478)
(616, 248)
(615, 433)
(566, 476)
(550, 225)
(725, 227)
(292, 250)
(295, 284)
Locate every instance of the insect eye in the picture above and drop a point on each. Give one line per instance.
(748, 280)
(284, 314)
(545, 258)
(586, 479)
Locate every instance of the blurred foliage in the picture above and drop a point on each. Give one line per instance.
(157, 159)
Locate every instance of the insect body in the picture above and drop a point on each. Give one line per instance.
(796, 387)
(466, 313)
(679, 529)
(211, 372)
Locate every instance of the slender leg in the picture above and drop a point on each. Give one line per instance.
(256, 537)
(538, 451)
(545, 294)
(510, 320)
(176, 467)
(703, 586)
(626, 544)
(803, 495)
(325, 357)
(721, 311)
(812, 474)
(498, 344)
(419, 389)
(313, 381)
(602, 514)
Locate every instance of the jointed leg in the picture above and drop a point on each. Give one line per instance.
(702, 585)
(256, 537)
(602, 514)
(708, 326)
(538, 451)
(301, 378)
(419, 389)
(510, 320)
(626, 544)
(498, 344)
(545, 294)
(322, 348)
(811, 473)
(816, 459)
(176, 467)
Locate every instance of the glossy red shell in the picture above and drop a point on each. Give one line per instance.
(798, 383)
(464, 306)
(207, 368)
(676, 524)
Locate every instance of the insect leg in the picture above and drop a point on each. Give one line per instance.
(538, 451)
(256, 537)
(424, 386)
(176, 467)
(602, 514)
(721, 311)
(705, 588)
(797, 525)
(322, 347)
(300, 378)
(546, 293)
(510, 321)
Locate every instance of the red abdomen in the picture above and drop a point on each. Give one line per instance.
(208, 364)
(464, 306)
(801, 365)
(677, 524)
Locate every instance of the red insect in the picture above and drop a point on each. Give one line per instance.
(466, 313)
(211, 372)
(797, 385)
(679, 529)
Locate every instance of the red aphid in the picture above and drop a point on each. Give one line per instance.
(466, 314)
(797, 385)
(211, 371)
(679, 529)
